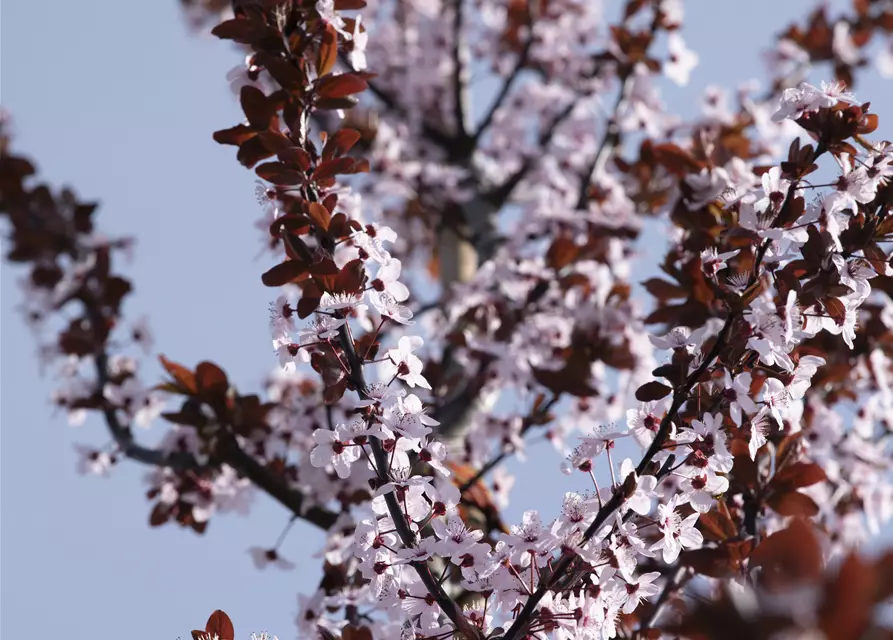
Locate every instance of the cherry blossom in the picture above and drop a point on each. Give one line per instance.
(678, 533)
(489, 254)
(404, 364)
(334, 447)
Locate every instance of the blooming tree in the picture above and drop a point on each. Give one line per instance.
(452, 278)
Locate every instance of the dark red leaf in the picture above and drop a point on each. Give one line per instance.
(253, 151)
(835, 308)
(340, 86)
(561, 253)
(340, 166)
(797, 475)
(672, 372)
(245, 31)
(185, 418)
(664, 290)
(652, 391)
(284, 272)
(296, 157)
(849, 600)
(307, 305)
(717, 526)
(351, 278)
(676, 160)
(237, 135)
(723, 561)
(356, 633)
(339, 227)
(331, 104)
(789, 556)
(793, 503)
(279, 173)
(160, 514)
(273, 141)
(211, 380)
(340, 143)
(289, 77)
(258, 109)
(296, 224)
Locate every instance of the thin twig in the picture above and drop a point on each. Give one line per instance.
(460, 72)
(502, 455)
(672, 585)
(513, 75)
(609, 141)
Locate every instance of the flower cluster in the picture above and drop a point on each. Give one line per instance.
(731, 441)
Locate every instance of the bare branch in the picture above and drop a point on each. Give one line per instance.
(528, 421)
(461, 98)
(513, 75)
(609, 142)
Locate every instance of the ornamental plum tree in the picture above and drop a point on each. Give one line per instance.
(452, 276)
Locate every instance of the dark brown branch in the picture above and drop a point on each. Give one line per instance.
(501, 194)
(433, 134)
(609, 142)
(273, 484)
(447, 605)
(233, 455)
(460, 72)
(121, 434)
(513, 75)
(495, 461)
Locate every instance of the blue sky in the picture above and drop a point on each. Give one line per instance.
(120, 103)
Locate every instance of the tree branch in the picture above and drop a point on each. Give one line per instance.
(501, 194)
(609, 142)
(433, 134)
(461, 98)
(233, 455)
(122, 435)
(528, 421)
(681, 394)
(520, 63)
(447, 605)
(273, 484)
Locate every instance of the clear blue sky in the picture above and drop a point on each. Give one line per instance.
(119, 100)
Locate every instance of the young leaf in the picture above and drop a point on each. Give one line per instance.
(183, 376)
(328, 51)
(220, 625)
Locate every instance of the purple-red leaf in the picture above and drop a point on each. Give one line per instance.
(652, 391)
(284, 272)
(340, 86)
